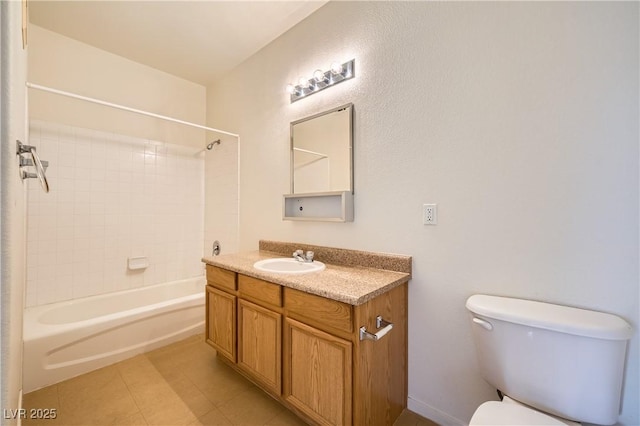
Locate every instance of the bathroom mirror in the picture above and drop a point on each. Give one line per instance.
(321, 152)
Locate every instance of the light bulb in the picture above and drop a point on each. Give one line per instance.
(303, 81)
(336, 68)
(291, 89)
(318, 75)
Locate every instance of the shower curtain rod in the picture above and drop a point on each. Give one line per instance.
(125, 108)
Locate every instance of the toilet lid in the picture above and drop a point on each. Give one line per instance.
(497, 413)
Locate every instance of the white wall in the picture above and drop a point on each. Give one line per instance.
(66, 64)
(520, 120)
(12, 217)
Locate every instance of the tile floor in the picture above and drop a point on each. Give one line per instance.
(180, 384)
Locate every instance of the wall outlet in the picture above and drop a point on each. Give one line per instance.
(429, 214)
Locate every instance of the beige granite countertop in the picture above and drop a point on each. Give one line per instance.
(351, 284)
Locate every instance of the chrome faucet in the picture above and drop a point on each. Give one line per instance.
(300, 256)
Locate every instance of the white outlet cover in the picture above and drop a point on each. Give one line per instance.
(430, 214)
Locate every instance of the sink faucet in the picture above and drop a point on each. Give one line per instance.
(300, 256)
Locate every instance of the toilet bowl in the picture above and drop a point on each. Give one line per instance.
(513, 413)
(555, 364)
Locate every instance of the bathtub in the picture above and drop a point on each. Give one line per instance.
(65, 339)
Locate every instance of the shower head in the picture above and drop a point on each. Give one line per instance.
(210, 146)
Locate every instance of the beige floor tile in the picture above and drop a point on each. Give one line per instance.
(252, 407)
(133, 420)
(42, 398)
(96, 398)
(409, 418)
(42, 407)
(138, 371)
(213, 418)
(218, 383)
(182, 347)
(28, 420)
(181, 384)
(169, 412)
(45, 398)
(286, 418)
(193, 355)
(158, 402)
(197, 402)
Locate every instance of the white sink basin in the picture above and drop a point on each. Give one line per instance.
(287, 265)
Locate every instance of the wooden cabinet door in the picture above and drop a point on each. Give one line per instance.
(317, 373)
(260, 344)
(221, 322)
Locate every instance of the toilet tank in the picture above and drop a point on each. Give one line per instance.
(561, 360)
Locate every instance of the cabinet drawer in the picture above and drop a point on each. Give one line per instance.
(221, 278)
(260, 290)
(319, 311)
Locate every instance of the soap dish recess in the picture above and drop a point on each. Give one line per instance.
(137, 263)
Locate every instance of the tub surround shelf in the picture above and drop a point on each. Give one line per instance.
(297, 336)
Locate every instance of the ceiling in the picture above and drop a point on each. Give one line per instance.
(199, 41)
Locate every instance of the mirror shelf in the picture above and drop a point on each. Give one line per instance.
(334, 206)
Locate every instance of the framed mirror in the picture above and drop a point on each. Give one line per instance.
(322, 152)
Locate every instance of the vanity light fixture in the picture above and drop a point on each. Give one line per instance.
(336, 68)
(321, 80)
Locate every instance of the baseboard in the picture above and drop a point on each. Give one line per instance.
(433, 414)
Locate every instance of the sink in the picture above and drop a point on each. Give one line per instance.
(287, 265)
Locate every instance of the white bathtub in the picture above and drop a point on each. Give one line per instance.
(65, 339)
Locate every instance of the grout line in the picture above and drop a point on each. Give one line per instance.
(130, 393)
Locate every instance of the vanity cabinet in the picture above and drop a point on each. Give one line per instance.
(259, 344)
(260, 331)
(221, 312)
(318, 373)
(318, 367)
(305, 350)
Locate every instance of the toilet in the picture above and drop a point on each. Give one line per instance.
(554, 365)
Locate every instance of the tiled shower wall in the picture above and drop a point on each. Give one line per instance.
(221, 197)
(112, 197)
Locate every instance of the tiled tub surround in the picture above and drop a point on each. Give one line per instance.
(112, 197)
(351, 276)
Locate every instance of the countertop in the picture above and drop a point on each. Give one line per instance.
(351, 284)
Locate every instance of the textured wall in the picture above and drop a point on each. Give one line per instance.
(63, 63)
(520, 120)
